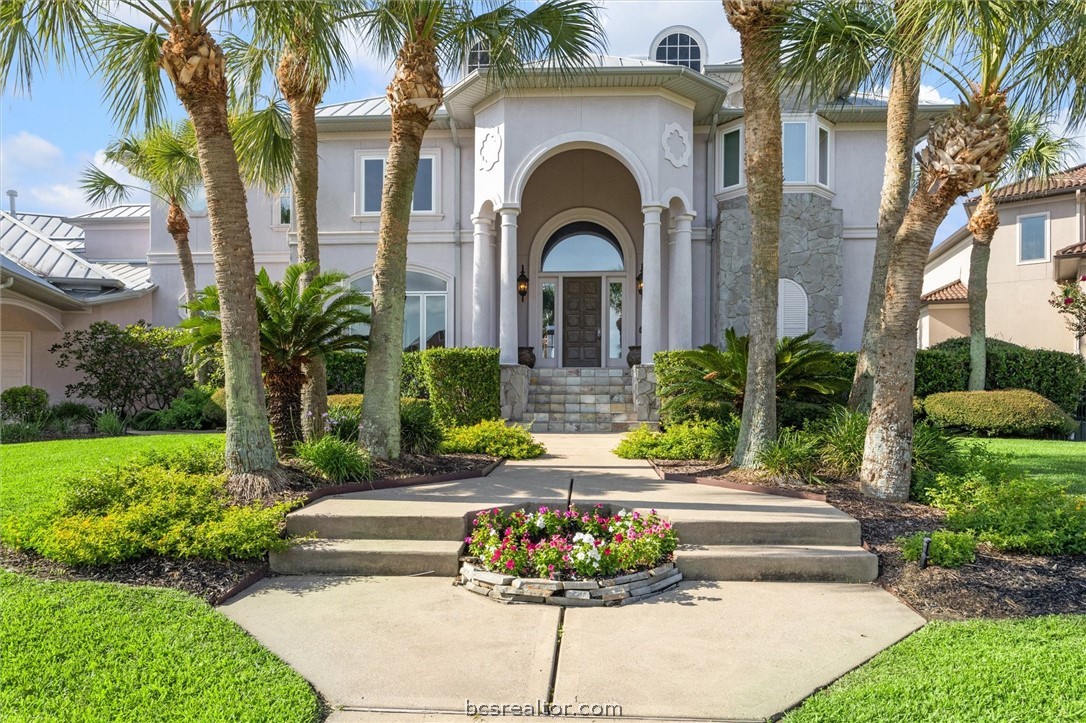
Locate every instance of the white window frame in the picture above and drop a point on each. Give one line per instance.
(723, 131)
(360, 157)
(1048, 237)
(686, 30)
(447, 293)
(806, 149)
(820, 126)
(277, 200)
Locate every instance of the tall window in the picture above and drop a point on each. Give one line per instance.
(794, 138)
(284, 204)
(373, 173)
(791, 309)
(425, 309)
(823, 156)
(1032, 238)
(731, 161)
(679, 49)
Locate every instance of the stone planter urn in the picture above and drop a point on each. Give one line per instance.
(526, 356)
(633, 358)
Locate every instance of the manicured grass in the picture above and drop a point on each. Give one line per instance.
(981, 670)
(1051, 460)
(34, 475)
(96, 651)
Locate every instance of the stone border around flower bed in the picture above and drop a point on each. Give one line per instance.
(619, 590)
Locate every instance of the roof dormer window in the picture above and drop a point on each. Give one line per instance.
(679, 46)
(478, 57)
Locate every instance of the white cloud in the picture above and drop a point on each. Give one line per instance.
(27, 151)
(632, 24)
(932, 94)
(61, 199)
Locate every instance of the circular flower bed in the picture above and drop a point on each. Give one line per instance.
(570, 556)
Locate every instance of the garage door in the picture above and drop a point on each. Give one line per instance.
(14, 366)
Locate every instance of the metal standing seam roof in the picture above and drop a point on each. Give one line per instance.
(124, 211)
(37, 253)
(56, 228)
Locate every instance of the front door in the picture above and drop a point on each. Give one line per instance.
(581, 321)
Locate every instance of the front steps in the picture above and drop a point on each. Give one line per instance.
(580, 400)
(743, 538)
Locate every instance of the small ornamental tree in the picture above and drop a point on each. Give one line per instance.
(125, 369)
(1070, 301)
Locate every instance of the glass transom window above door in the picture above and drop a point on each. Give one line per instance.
(425, 309)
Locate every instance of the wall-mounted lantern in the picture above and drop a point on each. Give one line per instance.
(641, 279)
(522, 284)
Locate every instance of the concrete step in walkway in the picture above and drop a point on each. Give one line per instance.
(777, 563)
(369, 557)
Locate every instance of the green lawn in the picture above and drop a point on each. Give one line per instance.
(34, 474)
(1051, 460)
(92, 651)
(976, 671)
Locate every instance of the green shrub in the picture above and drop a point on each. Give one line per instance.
(638, 443)
(187, 411)
(934, 452)
(947, 549)
(795, 453)
(123, 513)
(109, 424)
(19, 432)
(63, 426)
(464, 385)
(343, 420)
(494, 438)
(1010, 413)
(1025, 515)
(668, 367)
(24, 404)
(345, 400)
(842, 437)
(796, 414)
(204, 458)
(214, 411)
(346, 372)
(419, 433)
(706, 440)
(336, 460)
(412, 376)
(77, 412)
(939, 370)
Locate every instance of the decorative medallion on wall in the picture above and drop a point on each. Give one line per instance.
(676, 145)
(490, 150)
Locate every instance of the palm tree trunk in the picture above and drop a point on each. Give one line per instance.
(765, 182)
(896, 185)
(177, 223)
(201, 87)
(414, 95)
(983, 224)
(887, 464)
(285, 405)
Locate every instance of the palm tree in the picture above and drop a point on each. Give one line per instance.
(757, 22)
(299, 322)
(1035, 151)
(422, 35)
(131, 45)
(302, 44)
(990, 51)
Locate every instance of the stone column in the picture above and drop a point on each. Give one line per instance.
(482, 289)
(680, 305)
(651, 298)
(507, 335)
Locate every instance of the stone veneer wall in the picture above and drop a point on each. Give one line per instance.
(811, 255)
(514, 391)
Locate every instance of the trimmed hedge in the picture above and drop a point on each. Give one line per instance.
(1007, 413)
(24, 404)
(464, 385)
(1055, 375)
(938, 370)
(346, 372)
(412, 376)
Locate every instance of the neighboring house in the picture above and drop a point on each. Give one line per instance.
(58, 274)
(1041, 240)
(619, 197)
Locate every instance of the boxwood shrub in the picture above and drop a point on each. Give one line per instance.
(24, 404)
(346, 372)
(464, 385)
(492, 437)
(1008, 413)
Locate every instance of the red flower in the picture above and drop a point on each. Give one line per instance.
(509, 564)
(1068, 301)
(619, 537)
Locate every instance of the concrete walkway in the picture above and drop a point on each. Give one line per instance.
(417, 648)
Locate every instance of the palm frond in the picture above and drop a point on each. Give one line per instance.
(128, 62)
(262, 139)
(102, 189)
(34, 34)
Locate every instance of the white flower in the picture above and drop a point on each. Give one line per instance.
(622, 513)
(540, 522)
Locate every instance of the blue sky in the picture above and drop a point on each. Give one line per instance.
(48, 138)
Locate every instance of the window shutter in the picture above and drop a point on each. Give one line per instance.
(13, 371)
(791, 309)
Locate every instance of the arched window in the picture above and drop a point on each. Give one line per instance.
(478, 57)
(425, 310)
(791, 309)
(582, 246)
(679, 48)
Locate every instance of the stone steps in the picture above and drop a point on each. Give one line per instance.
(579, 400)
(776, 563)
(369, 557)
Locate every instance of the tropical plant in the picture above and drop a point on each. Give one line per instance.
(422, 36)
(297, 323)
(1070, 301)
(805, 369)
(136, 47)
(1035, 151)
(756, 21)
(995, 53)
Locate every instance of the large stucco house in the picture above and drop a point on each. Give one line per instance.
(582, 221)
(1041, 240)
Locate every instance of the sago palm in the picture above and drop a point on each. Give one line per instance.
(423, 36)
(1036, 151)
(139, 49)
(993, 53)
(757, 22)
(299, 322)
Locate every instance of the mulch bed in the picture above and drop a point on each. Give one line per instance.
(209, 579)
(996, 585)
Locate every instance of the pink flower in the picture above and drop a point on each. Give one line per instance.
(468, 540)
(550, 568)
(619, 537)
(1068, 301)
(509, 565)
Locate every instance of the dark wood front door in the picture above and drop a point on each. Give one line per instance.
(581, 321)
